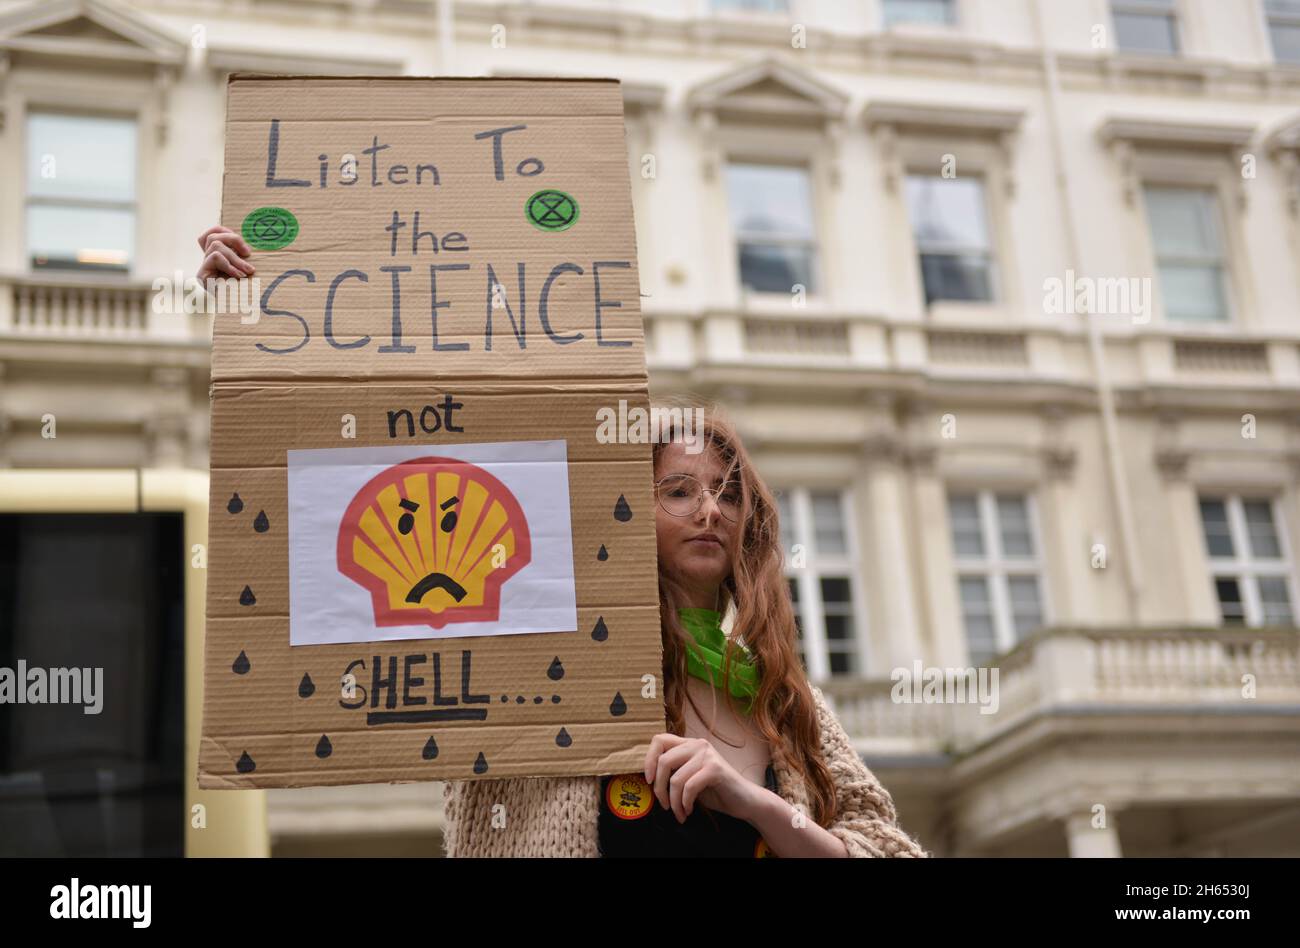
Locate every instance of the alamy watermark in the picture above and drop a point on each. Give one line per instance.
(660, 424)
(84, 686)
(1105, 296)
(178, 294)
(921, 685)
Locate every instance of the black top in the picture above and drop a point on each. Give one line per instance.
(633, 824)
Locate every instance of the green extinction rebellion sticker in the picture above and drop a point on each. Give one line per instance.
(270, 228)
(551, 210)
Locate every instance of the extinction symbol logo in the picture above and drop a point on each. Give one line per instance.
(420, 538)
(270, 228)
(552, 210)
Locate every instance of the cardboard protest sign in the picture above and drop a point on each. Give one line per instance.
(424, 563)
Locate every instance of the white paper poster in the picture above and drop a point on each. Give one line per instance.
(417, 542)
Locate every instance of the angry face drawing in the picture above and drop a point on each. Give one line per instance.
(433, 540)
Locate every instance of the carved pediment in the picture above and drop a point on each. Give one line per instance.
(86, 30)
(769, 90)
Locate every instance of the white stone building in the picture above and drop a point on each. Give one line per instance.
(1005, 295)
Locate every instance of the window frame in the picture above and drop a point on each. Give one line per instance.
(817, 268)
(953, 21)
(1172, 10)
(994, 566)
(27, 200)
(810, 608)
(1286, 19)
(992, 249)
(1244, 566)
(1226, 258)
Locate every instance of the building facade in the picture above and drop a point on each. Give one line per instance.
(1004, 296)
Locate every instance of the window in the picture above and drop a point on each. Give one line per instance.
(80, 191)
(997, 570)
(771, 214)
(1249, 566)
(950, 224)
(1284, 28)
(920, 11)
(752, 6)
(1146, 26)
(1189, 252)
(107, 592)
(822, 590)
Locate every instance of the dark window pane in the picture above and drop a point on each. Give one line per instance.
(94, 591)
(835, 590)
(1214, 520)
(838, 628)
(775, 268)
(841, 664)
(963, 277)
(1230, 601)
(1144, 33)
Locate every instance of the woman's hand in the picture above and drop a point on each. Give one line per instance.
(223, 255)
(683, 770)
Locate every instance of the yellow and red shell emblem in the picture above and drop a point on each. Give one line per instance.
(433, 539)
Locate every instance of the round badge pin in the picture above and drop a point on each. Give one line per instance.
(628, 796)
(270, 228)
(551, 210)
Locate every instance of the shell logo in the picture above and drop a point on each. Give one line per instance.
(433, 539)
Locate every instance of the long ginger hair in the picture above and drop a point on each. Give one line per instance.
(783, 709)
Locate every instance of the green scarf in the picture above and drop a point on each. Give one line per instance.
(704, 659)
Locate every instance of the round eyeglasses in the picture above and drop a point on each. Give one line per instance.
(681, 495)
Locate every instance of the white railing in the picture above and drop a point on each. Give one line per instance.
(1060, 669)
(81, 308)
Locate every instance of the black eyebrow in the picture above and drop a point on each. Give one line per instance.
(407, 504)
(447, 503)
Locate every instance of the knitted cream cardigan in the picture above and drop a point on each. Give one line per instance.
(557, 816)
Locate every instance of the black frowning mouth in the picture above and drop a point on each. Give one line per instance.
(436, 581)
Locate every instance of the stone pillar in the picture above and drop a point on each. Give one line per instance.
(887, 534)
(1186, 544)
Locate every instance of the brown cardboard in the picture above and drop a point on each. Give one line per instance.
(277, 715)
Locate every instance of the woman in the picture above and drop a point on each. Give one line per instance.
(753, 763)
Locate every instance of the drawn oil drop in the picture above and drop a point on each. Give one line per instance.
(323, 747)
(601, 632)
(261, 524)
(480, 764)
(306, 687)
(602, 554)
(556, 671)
(235, 505)
(618, 707)
(562, 739)
(246, 598)
(245, 764)
(241, 665)
(622, 512)
(430, 749)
